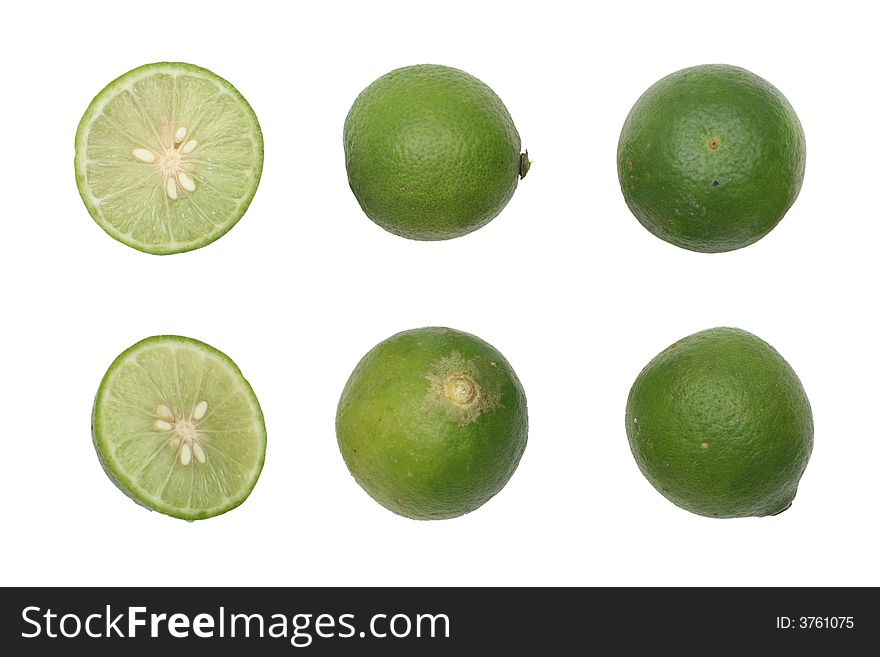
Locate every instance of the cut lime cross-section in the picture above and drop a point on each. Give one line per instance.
(178, 428)
(168, 157)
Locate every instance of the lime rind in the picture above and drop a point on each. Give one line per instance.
(117, 472)
(127, 81)
(432, 423)
(431, 152)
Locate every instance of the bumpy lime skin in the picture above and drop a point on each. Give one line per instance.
(711, 158)
(431, 152)
(416, 454)
(720, 424)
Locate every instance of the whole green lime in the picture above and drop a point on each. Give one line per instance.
(720, 424)
(711, 158)
(431, 152)
(432, 423)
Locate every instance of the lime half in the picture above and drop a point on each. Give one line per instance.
(168, 157)
(178, 428)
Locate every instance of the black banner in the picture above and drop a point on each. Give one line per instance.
(435, 621)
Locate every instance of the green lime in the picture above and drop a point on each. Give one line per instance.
(178, 428)
(431, 152)
(720, 424)
(432, 423)
(711, 158)
(168, 157)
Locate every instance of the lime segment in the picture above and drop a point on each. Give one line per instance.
(168, 157)
(178, 428)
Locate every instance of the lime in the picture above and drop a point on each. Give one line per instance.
(432, 423)
(168, 157)
(178, 428)
(711, 158)
(431, 152)
(720, 424)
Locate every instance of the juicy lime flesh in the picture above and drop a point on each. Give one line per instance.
(431, 152)
(720, 424)
(432, 423)
(711, 158)
(178, 428)
(168, 157)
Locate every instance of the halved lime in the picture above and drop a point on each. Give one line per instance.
(178, 428)
(168, 157)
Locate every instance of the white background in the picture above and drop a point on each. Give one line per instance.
(565, 282)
